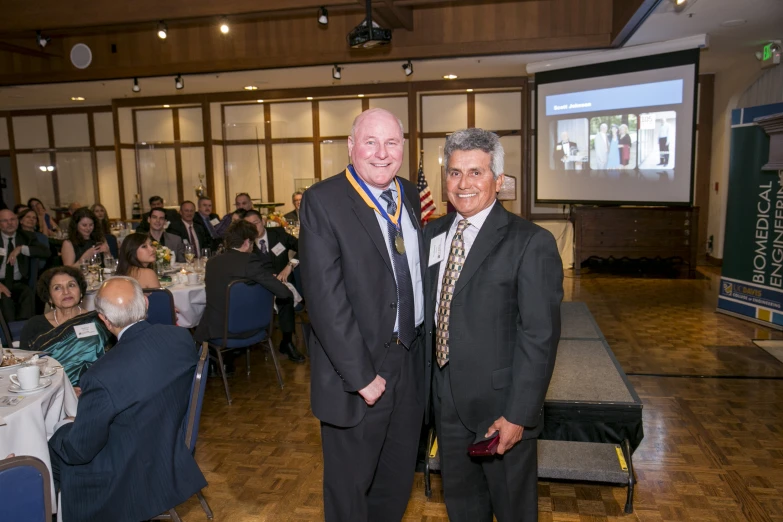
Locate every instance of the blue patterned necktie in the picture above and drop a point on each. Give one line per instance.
(405, 304)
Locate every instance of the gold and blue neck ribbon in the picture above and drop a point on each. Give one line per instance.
(366, 194)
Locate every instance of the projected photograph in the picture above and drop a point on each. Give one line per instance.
(657, 136)
(570, 141)
(613, 141)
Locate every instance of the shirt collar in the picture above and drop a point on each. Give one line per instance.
(6, 236)
(377, 191)
(119, 335)
(478, 219)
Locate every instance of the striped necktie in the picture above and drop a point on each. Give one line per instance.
(450, 275)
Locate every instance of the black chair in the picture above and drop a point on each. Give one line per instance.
(191, 425)
(161, 306)
(10, 332)
(248, 321)
(25, 490)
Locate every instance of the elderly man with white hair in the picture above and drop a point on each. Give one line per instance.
(124, 458)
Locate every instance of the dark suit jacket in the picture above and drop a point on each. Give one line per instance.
(292, 216)
(37, 250)
(277, 235)
(348, 278)
(221, 270)
(177, 227)
(505, 321)
(124, 456)
(560, 153)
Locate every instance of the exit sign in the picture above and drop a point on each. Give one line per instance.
(766, 54)
(770, 55)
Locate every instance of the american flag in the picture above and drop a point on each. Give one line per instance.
(425, 196)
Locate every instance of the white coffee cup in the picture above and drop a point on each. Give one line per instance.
(27, 377)
(192, 278)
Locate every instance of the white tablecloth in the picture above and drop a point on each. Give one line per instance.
(190, 301)
(30, 424)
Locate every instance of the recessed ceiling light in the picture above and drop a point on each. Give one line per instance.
(260, 101)
(450, 77)
(250, 88)
(309, 97)
(469, 90)
(733, 23)
(50, 168)
(42, 168)
(361, 95)
(163, 30)
(77, 98)
(166, 106)
(224, 25)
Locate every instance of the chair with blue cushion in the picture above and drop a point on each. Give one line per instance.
(10, 332)
(161, 306)
(25, 490)
(248, 321)
(191, 425)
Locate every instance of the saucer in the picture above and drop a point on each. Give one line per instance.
(49, 372)
(43, 383)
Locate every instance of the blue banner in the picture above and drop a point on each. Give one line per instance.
(627, 97)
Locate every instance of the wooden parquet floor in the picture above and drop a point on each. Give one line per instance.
(712, 451)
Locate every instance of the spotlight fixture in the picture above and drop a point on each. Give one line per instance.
(77, 98)
(136, 87)
(224, 28)
(250, 87)
(323, 16)
(179, 83)
(408, 68)
(450, 77)
(163, 30)
(337, 72)
(679, 5)
(41, 40)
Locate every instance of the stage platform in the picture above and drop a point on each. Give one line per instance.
(592, 414)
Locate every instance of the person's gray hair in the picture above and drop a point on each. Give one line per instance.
(126, 314)
(370, 112)
(476, 139)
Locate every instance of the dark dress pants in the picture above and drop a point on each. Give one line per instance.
(21, 304)
(285, 314)
(369, 468)
(474, 488)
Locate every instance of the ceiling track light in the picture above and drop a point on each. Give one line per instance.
(179, 83)
(224, 28)
(337, 72)
(408, 68)
(323, 16)
(41, 40)
(136, 87)
(679, 5)
(163, 30)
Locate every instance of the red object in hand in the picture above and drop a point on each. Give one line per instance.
(485, 448)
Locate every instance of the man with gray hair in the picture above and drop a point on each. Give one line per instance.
(127, 441)
(493, 289)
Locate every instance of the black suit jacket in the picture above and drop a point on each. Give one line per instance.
(178, 228)
(221, 270)
(37, 250)
(348, 278)
(125, 457)
(559, 153)
(277, 235)
(292, 216)
(505, 321)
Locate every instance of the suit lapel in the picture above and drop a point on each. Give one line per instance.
(366, 216)
(408, 205)
(434, 270)
(488, 237)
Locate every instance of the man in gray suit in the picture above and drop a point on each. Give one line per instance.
(493, 289)
(158, 233)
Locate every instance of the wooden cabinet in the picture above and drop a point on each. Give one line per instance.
(636, 233)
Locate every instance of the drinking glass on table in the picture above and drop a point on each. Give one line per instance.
(205, 253)
(190, 253)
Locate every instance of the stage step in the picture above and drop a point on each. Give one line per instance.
(582, 461)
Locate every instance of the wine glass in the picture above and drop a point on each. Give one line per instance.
(205, 253)
(189, 254)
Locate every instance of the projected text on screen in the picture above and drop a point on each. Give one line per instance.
(626, 97)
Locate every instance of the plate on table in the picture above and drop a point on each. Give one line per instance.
(43, 383)
(11, 360)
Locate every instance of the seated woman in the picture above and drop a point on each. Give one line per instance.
(85, 239)
(103, 220)
(137, 256)
(27, 221)
(46, 225)
(55, 332)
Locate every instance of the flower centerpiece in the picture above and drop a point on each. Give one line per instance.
(276, 219)
(162, 256)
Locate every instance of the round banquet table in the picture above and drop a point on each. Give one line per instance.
(29, 425)
(190, 301)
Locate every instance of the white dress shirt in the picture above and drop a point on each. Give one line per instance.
(25, 251)
(468, 238)
(411, 237)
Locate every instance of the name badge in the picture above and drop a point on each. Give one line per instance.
(85, 330)
(215, 222)
(437, 249)
(278, 249)
(2, 252)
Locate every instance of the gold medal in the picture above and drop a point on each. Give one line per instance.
(399, 244)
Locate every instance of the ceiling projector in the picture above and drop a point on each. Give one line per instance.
(368, 34)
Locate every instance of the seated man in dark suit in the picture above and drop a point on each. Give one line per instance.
(190, 229)
(242, 201)
(17, 300)
(155, 202)
(240, 261)
(275, 242)
(293, 216)
(124, 458)
(208, 218)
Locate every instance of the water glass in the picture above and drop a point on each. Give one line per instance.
(205, 253)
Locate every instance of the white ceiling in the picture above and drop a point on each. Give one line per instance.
(763, 21)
